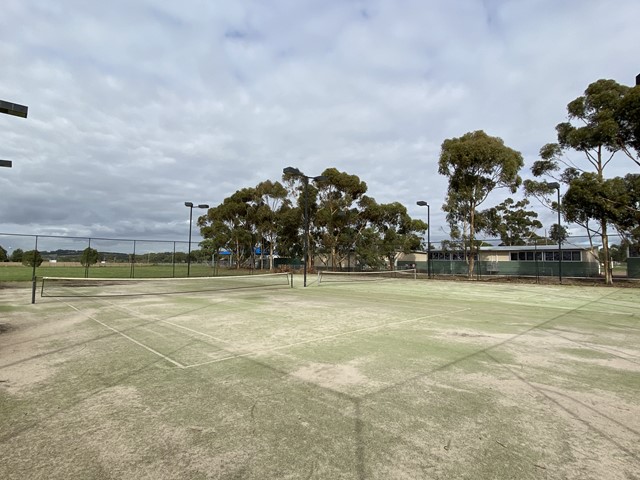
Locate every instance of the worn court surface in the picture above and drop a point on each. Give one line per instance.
(398, 379)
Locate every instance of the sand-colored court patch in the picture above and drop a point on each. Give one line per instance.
(331, 376)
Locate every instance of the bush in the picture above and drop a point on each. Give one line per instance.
(89, 257)
(16, 255)
(32, 257)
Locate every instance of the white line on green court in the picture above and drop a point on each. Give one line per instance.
(178, 364)
(319, 339)
(137, 315)
(197, 332)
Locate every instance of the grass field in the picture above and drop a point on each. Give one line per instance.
(399, 379)
(20, 273)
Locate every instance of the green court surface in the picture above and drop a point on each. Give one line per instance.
(396, 379)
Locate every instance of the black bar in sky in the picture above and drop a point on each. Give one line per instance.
(13, 109)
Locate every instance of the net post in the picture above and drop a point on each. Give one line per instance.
(291, 279)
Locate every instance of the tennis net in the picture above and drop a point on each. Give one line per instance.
(112, 287)
(335, 277)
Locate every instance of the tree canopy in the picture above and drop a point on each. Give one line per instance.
(343, 222)
(31, 258)
(16, 255)
(600, 123)
(628, 117)
(512, 222)
(89, 257)
(476, 164)
(615, 201)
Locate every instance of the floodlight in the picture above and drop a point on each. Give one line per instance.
(292, 171)
(13, 109)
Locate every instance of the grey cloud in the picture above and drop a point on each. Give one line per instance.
(136, 107)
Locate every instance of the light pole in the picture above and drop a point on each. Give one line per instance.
(191, 206)
(556, 185)
(297, 173)
(422, 203)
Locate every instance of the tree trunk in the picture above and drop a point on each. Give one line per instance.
(471, 242)
(308, 254)
(608, 274)
(333, 257)
(271, 256)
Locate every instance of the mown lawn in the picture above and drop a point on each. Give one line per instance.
(21, 273)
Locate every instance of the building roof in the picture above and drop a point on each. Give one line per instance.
(521, 248)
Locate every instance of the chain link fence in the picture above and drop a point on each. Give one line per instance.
(577, 257)
(62, 256)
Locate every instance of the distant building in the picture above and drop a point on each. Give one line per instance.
(527, 260)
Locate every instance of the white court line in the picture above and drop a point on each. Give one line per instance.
(142, 317)
(178, 364)
(197, 332)
(258, 352)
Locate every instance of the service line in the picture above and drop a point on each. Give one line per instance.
(319, 339)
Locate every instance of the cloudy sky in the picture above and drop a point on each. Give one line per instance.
(136, 106)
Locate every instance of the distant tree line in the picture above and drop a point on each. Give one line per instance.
(90, 256)
(341, 222)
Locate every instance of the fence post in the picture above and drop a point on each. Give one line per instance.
(133, 261)
(33, 275)
(86, 267)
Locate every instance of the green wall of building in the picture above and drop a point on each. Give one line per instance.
(516, 268)
(633, 267)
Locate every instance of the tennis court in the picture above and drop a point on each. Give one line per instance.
(393, 379)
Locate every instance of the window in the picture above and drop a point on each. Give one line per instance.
(453, 256)
(535, 256)
(526, 256)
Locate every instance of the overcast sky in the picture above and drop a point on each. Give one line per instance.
(136, 106)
